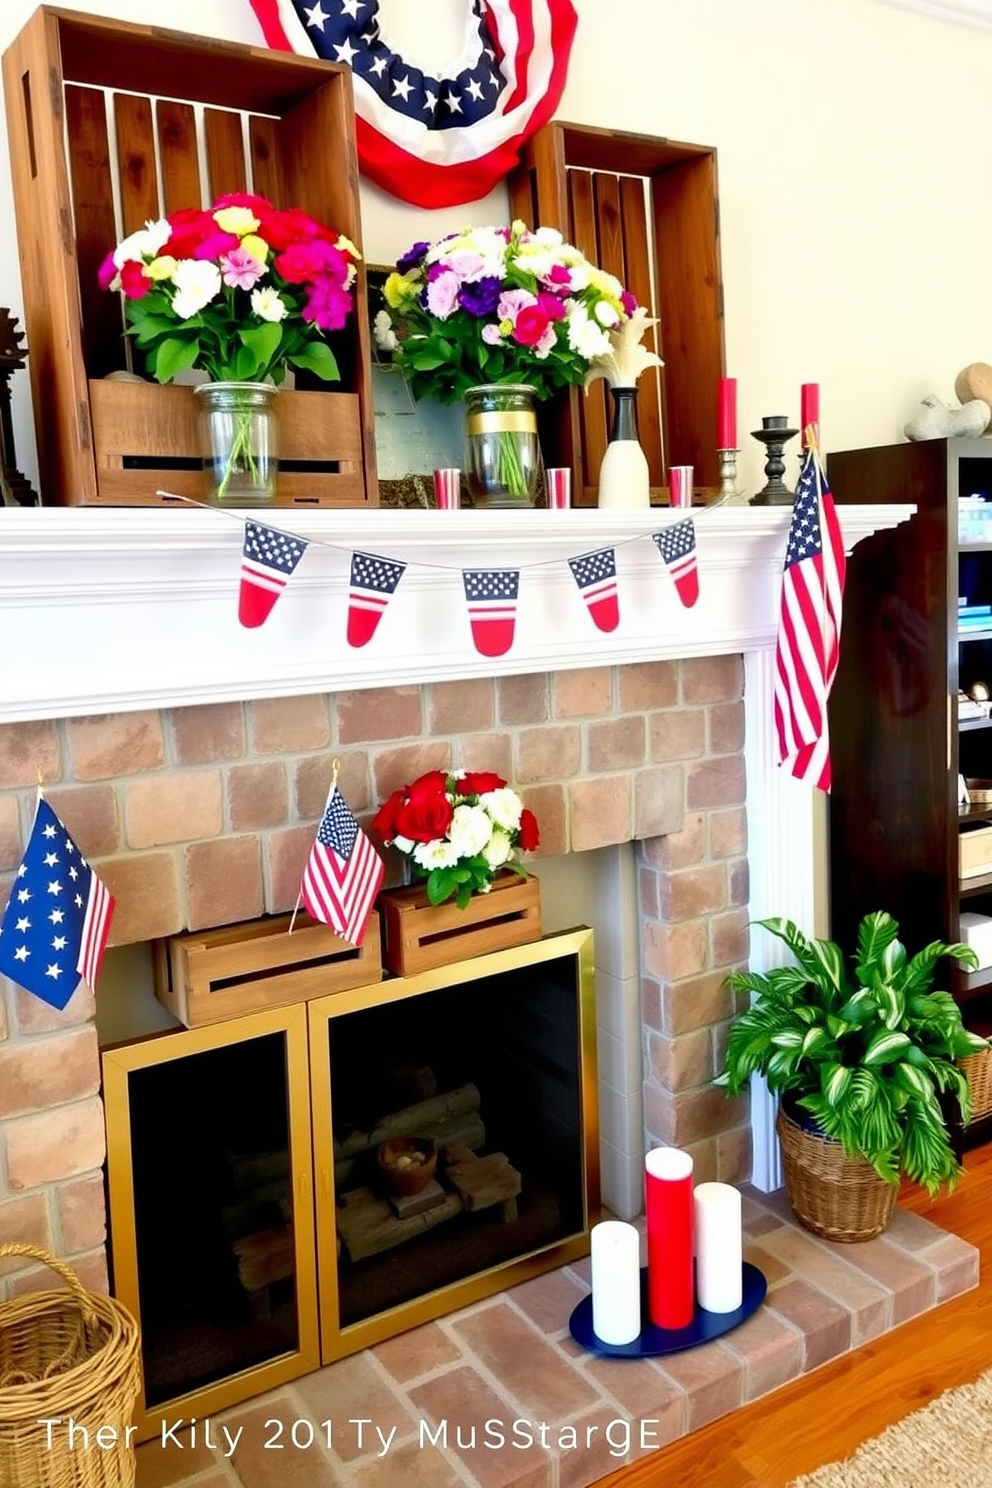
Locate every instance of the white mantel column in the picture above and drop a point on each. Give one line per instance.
(783, 869)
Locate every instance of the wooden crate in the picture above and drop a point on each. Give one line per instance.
(419, 936)
(247, 119)
(211, 975)
(646, 210)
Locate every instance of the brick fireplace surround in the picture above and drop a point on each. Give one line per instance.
(199, 807)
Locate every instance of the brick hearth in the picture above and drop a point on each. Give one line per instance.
(511, 1358)
(204, 815)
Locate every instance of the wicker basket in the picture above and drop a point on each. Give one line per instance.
(977, 1070)
(833, 1195)
(66, 1353)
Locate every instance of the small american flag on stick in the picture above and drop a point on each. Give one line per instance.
(343, 873)
(808, 646)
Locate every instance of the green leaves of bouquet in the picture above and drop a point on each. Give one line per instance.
(241, 291)
(457, 831)
(498, 305)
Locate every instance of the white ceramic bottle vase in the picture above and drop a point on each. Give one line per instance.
(624, 480)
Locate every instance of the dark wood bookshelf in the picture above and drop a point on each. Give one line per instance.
(897, 744)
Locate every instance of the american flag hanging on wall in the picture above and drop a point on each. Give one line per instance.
(437, 141)
(808, 646)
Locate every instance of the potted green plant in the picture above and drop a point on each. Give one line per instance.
(865, 1059)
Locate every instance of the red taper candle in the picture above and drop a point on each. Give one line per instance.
(810, 409)
(726, 413)
(668, 1208)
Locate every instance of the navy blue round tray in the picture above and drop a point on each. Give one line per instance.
(704, 1327)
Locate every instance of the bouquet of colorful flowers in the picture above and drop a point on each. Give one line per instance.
(240, 290)
(457, 830)
(497, 305)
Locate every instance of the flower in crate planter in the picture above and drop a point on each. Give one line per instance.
(491, 314)
(241, 291)
(457, 831)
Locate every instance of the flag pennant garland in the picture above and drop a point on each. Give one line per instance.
(677, 545)
(438, 141)
(54, 929)
(596, 576)
(269, 559)
(491, 594)
(374, 581)
(343, 873)
(807, 649)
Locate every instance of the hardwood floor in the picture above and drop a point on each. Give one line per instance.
(830, 1412)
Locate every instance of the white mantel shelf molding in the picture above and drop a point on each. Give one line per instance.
(117, 609)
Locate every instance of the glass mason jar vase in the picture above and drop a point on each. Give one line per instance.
(240, 444)
(502, 452)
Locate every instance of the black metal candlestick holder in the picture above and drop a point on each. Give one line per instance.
(774, 434)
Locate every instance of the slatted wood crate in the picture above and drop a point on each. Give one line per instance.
(419, 936)
(100, 143)
(646, 210)
(209, 976)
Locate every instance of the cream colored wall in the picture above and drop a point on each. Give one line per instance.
(855, 196)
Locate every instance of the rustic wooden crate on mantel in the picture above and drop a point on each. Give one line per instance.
(192, 118)
(419, 936)
(208, 976)
(647, 210)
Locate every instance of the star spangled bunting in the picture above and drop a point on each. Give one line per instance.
(269, 560)
(677, 546)
(373, 583)
(343, 873)
(807, 649)
(491, 594)
(54, 929)
(438, 141)
(596, 576)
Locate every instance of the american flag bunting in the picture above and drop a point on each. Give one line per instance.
(452, 134)
(491, 595)
(269, 559)
(55, 926)
(677, 546)
(596, 576)
(373, 583)
(343, 873)
(807, 649)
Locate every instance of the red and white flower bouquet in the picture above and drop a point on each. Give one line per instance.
(457, 830)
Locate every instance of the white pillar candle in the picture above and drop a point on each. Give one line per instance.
(719, 1262)
(616, 1282)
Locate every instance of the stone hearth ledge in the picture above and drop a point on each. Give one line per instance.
(117, 609)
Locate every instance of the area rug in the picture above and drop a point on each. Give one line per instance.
(946, 1444)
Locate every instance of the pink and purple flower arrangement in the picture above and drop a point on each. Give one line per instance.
(498, 305)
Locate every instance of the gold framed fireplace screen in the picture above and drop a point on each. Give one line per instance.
(249, 1230)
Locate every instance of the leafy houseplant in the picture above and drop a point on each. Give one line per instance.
(457, 830)
(866, 1052)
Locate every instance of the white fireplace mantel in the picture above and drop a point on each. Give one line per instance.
(106, 610)
(116, 610)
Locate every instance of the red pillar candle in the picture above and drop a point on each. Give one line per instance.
(726, 413)
(668, 1209)
(810, 409)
